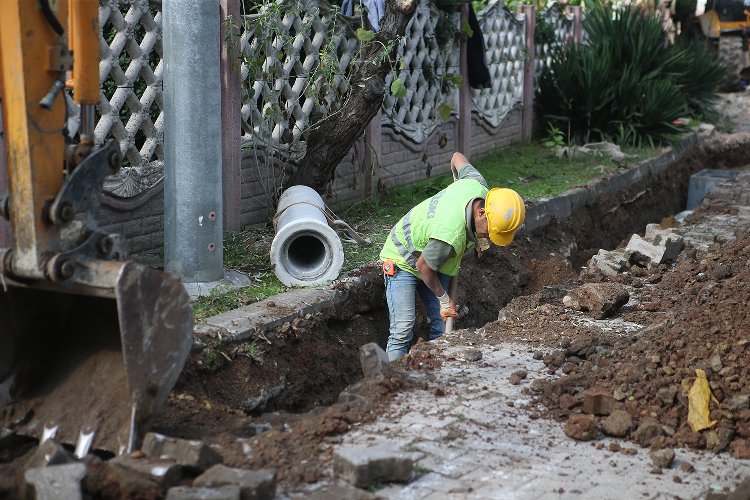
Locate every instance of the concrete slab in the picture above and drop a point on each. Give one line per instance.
(232, 280)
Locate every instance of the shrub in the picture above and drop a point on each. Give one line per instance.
(629, 83)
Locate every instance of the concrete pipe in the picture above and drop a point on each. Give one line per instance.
(306, 251)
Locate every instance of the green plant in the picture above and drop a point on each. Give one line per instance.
(629, 83)
(555, 137)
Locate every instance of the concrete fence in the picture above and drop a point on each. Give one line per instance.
(407, 141)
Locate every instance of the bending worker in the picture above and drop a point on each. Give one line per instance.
(425, 248)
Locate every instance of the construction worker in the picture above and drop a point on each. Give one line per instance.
(424, 248)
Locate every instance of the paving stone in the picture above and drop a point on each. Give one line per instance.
(50, 453)
(609, 263)
(187, 493)
(163, 471)
(657, 247)
(55, 482)
(191, 454)
(254, 484)
(363, 465)
(374, 361)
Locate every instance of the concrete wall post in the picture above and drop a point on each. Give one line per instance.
(577, 26)
(193, 215)
(231, 103)
(464, 91)
(529, 75)
(5, 234)
(373, 154)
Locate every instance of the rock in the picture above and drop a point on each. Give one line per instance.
(571, 301)
(471, 355)
(602, 299)
(254, 484)
(739, 402)
(49, 453)
(190, 454)
(554, 359)
(687, 467)
(363, 465)
(667, 394)
(662, 458)
(740, 448)
(517, 376)
(598, 401)
(374, 361)
(715, 363)
(538, 355)
(162, 471)
(717, 440)
(617, 424)
(567, 401)
(185, 493)
(646, 431)
(113, 480)
(581, 427)
(55, 482)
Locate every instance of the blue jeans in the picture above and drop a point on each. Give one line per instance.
(400, 292)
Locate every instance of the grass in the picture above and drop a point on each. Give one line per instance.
(532, 170)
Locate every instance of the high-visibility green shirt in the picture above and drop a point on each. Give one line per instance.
(441, 217)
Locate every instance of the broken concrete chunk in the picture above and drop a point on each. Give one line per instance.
(50, 453)
(254, 484)
(55, 482)
(662, 458)
(602, 299)
(609, 263)
(222, 493)
(617, 424)
(363, 466)
(581, 427)
(192, 454)
(657, 247)
(374, 360)
(162, 471)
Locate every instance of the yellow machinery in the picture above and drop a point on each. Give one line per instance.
(90, 344)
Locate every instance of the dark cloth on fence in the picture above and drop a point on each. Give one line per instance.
(479, 74)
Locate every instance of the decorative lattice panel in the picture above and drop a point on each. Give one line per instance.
(280, 100)
(425, 61)
(130, 110)
(562, 23)
(504, 39)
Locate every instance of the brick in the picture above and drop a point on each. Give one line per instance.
(253, 484)
(363, 466)
(222, 493)
(597, 401)
(191, 454)
(55, 482)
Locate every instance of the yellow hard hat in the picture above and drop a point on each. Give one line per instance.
(505, 213)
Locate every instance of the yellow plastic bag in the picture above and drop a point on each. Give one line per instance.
(699, 398)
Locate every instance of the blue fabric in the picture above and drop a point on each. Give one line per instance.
(375, 11)
(400, 292)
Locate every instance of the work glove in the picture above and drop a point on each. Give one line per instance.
(447, 307)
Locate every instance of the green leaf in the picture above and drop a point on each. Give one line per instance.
(466, 28)
(398, 89)
(454, 79)
(444, 110)
(364, 35)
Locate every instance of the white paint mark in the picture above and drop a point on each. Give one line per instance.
(200, 220)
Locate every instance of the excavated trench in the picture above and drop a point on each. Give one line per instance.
(305, 364)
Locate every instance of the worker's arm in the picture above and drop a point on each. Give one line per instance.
(462, 169)
(434, 255)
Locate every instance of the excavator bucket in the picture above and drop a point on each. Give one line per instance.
(91, 370)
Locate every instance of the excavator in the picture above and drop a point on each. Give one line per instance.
(91, 343)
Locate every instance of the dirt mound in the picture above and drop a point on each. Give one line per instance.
(697, 318)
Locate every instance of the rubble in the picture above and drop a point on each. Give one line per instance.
(253, 484)
(192, 454)
(602, 299)
(581, 427)
(617, 424)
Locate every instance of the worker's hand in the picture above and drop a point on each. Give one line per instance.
(447, 307)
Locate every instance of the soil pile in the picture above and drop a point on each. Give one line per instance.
(696, 317)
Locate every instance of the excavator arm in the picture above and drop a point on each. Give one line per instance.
(90, 343)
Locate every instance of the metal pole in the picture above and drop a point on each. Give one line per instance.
(529, 75)
(192, 140)
(464, 91)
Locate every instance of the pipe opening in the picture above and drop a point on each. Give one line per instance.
(306, 253)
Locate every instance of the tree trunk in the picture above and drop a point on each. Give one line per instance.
(328, 143)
